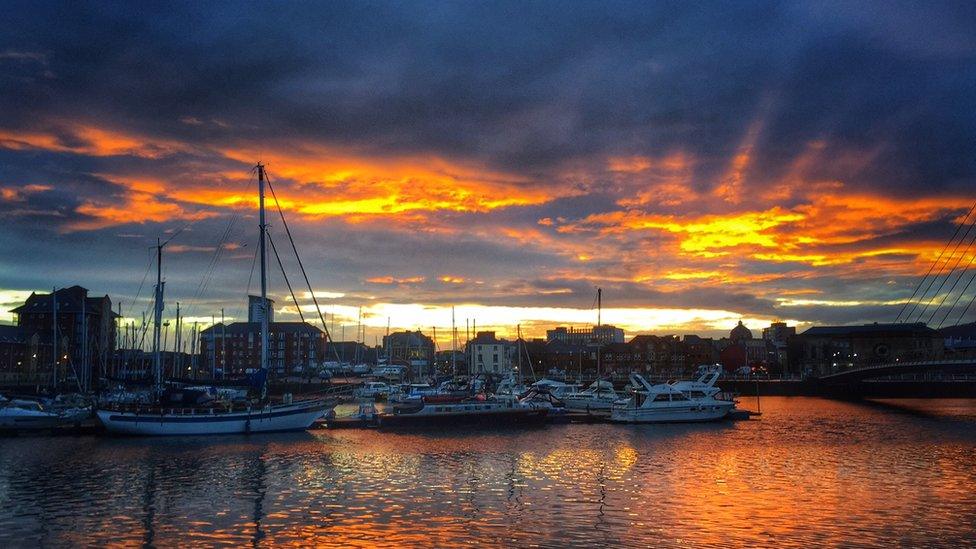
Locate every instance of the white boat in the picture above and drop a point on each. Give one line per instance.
(479, 409)
(703, 387)
(166, 417)
(663, 403)
(558, 389)
(408, 392)
(509, 386)
(373, 390)
(296, 416)
(26, 415)
(393, 372)
(540, 398)
(599, 396)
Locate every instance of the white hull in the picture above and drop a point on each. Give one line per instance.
(686, 413)
(285, 417)
(23, 422)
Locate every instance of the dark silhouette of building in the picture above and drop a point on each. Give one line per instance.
(410, 348)
(293, 347)
(85, 336)
(827, 349)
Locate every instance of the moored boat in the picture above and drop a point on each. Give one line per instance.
(31, 415)
(479, 409)
(663, 403)
(188, 412)
(159, 421)
(598, 397)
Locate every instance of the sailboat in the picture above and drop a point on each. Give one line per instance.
(600, 396)
(169, 416)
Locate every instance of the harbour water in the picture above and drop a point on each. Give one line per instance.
(810, 472)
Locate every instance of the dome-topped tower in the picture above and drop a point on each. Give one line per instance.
(740, 333)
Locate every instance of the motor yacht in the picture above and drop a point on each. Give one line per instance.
(373, 390)
(28, 415)
(663, 403)
(598, 397)
(477, 409)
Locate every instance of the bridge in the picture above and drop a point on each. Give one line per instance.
(856, 375)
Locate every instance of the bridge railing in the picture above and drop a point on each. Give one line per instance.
(906, 364)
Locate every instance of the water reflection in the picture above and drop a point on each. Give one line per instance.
(810, 472)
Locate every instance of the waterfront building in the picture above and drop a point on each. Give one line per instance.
(595, 335)
(235, 348)
(491, 355)
(352, 352)
(85, 336)
(446, 361)
(960, 340)
(826, 349)
(13, 349)
(698, 351)
(779, 338)
(410, 348)
(662, 355)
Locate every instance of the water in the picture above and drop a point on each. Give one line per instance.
(810, 472)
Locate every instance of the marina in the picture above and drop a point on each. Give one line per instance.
(571, 485)
(549, 274)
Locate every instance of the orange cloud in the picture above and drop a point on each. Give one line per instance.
(136, 208)
(394, 280)
(89, 140)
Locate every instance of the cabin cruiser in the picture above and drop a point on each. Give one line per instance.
(478, 408)
(598, 397)
(538, 397)
(393, 372)
(373, 390)
(703, 387)
(558, 389)
(23, 415)
(411, 392)
(509, 386)
(663, 403)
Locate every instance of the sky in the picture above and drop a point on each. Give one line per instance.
(702, 162)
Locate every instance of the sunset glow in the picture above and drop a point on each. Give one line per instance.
(507, 191)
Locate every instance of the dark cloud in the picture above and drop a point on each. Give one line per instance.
(876, 95)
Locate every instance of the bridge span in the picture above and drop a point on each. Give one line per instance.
(856, 375)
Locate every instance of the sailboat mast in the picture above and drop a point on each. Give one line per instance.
(264, 267)
(158, 316)
(453, 346)
(177, 361)
(54, 334)
(599, 310)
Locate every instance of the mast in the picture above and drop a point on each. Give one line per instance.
(599, 304)
(264, 268)
(158, 320)
(213, 347)
(54, 336)
(223, 345)
(193, 351)
(359, 329)
(85, 363)
(599, 310)
(453, 346)
(518, 348)
(177, 358)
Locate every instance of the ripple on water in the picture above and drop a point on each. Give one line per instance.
(811, 472)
